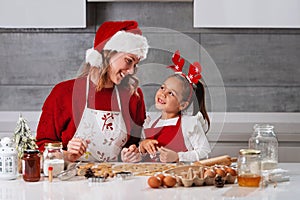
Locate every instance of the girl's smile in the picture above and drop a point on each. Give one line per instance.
(159, 100)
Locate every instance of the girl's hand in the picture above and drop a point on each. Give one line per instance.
(76, 148)
(167, 155)
(131, 154)
(149, 146)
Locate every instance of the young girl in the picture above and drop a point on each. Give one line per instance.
(171, 134)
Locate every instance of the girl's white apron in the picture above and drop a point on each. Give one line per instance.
(105, 129)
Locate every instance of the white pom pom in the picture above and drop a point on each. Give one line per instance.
(128, 42)
(93, 57)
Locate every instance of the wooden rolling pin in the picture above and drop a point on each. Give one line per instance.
(220, 160)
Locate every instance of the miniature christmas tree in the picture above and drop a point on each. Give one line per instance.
(23, 137)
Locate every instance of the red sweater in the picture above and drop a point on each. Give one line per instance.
(63, 108)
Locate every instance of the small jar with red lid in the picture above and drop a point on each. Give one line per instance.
(31, 165)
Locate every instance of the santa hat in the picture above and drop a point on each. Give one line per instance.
(120, 36)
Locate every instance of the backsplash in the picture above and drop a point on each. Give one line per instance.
(259, 67)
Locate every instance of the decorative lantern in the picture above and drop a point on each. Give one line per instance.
(8, 160)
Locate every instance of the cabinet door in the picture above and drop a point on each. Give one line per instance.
(43, 14)
(246, 14)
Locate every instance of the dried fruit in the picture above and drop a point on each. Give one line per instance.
(219, 182)
(89, 173)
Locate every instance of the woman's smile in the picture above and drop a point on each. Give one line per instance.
(122, 74)
(122, 64)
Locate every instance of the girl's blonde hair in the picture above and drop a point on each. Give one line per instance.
(130, 81)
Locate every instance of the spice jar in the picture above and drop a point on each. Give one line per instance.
(31, 165)
(249, 168)
(53, 157)
(265, 140)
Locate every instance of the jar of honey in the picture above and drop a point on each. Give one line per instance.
(31, 165)
(249, 168)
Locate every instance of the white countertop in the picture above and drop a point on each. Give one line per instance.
(137, 188)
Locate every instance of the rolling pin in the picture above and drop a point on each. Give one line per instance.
(220, 160)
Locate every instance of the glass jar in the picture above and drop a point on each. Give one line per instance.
(31, 165)
(265, 140)
(249, 168)
(53, 156)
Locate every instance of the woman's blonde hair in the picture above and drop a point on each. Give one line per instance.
(130, 81)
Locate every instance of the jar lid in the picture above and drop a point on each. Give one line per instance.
(249, 152)
(53, 145)
(263, 126)
(31, 151)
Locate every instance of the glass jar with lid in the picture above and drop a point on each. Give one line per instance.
(249, 168)
(53, 157)
(265, 140)
(31, 165)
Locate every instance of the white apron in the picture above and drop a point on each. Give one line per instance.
(105, 129)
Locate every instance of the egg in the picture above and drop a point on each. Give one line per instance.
(226, 168)
(205, 169)
(209, 173)
(154, 182)
(220, 171)
(231, 171)
(161, 177)
(169, 181)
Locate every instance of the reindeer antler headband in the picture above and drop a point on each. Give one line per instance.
(193, 75)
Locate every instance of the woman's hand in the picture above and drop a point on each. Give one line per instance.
(149, 146)
(167, 155)
(131, 154)
(76, 148)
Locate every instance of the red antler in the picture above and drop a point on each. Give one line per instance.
(194, 72)
(178, 61)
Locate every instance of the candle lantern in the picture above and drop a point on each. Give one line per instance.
(8, 160)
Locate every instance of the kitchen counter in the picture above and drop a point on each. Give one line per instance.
(137, 188)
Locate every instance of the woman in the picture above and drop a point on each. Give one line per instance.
(103, 109)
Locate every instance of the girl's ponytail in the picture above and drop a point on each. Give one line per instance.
(199, 102)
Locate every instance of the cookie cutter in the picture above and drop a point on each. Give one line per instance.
(123, 175)
(98, 179)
